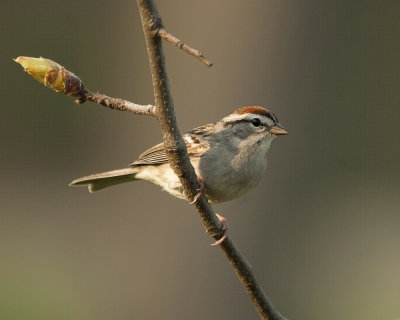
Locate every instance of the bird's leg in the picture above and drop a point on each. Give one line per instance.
(201, 190)
(223, 220)
(224, 230)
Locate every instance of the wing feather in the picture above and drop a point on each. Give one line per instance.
(153, 156)
(195, 146)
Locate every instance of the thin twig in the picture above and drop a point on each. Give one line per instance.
(180, 163)
(164, 34)
(54, 76)
(116, 103)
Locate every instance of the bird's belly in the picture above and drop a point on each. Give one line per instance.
(163, 176)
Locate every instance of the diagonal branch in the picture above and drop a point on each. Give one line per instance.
(180, 163)
(174, 145)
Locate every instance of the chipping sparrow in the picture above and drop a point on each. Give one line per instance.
(229, 157)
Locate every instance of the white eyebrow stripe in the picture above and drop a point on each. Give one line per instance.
(234, 117)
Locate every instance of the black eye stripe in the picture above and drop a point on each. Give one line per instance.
(272, 117)
(244, 120)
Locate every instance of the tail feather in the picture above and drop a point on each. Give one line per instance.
(107, 179)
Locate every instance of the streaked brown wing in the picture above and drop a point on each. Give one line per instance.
(156, 155)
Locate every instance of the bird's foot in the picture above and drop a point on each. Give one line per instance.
(224, 230)
(201, 190)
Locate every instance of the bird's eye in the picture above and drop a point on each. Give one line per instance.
(256, 122)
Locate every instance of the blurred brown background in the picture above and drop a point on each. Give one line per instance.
(321, 230)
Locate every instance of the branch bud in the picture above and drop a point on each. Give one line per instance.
(52, 75)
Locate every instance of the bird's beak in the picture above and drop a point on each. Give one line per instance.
(278, 129)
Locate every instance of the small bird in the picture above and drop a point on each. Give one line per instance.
(229, 157)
